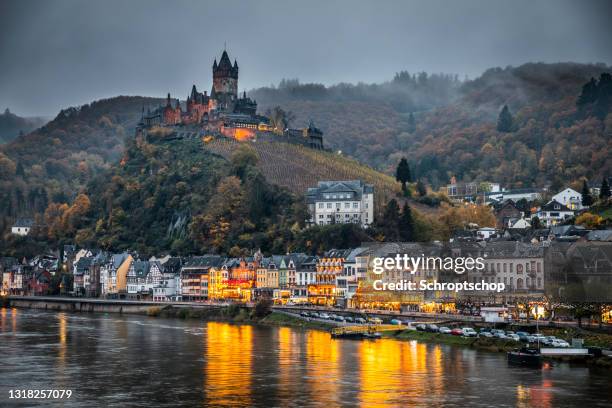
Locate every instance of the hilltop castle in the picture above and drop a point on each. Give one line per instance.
(223, 112)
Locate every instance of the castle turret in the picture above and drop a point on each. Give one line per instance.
(225, 77)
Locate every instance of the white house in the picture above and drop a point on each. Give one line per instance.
(569, 198)
(521, 223)
(341, 202)
(553, 213)
(485, 232)
(22, 226)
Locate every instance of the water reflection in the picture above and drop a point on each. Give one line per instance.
(138, 361)
(228, 364)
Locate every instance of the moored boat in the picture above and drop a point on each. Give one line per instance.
(526, 357)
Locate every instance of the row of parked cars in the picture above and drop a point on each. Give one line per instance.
(341, 319)
(484, 332)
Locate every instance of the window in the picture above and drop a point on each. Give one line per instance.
(329, 205)
(539, 265)
(347, 205)
(511, 267)
(519, 283)
(519, 268)
(505, 267)
(539, 282)
(320, 205)
(355, 204)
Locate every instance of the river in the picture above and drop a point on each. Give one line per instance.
(119, 360)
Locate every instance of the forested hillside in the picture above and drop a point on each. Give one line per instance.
(456, 134)
(12, 125)
(53, 163)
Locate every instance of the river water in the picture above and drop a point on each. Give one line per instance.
(115, 360)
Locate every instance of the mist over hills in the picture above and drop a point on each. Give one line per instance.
(12, 125)
(443, 125)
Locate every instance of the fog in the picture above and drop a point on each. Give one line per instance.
(56, 54)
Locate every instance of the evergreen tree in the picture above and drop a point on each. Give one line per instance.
(390, 221)
(505, 121)
(536, 223)
(402, 173)
(587, 200)
(588, 94)
(411, 123)
(604, 191)
(406, 224)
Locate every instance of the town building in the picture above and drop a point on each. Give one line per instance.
(22, 226)
(341, 202)
(569, 198)
(553, 213)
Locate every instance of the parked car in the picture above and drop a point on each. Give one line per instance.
(468, 332)
(420, 327)
(486, 334)
(340, 319)
(432, 328)
(560, 343)
(484, 329)
(349, 319)
(523, 336)
(536, 338)
(548, 340)
(499, 334)
(305, 314)
(375, 320)
(513, 336)
(445, 330)
(509, 332)
(396, 322)
(324, 316)
(457, 332)
(360, 320)
(314, 314)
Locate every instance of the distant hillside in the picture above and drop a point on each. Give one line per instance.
(53, 163)
(12, 125)
(456, 134)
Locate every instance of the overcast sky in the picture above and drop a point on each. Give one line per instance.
(56, 53)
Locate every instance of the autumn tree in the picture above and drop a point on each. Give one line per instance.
(589, 220)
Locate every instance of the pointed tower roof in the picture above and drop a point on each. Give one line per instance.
(225, 62)
(168, 100)
(194, 92)
(215, 64)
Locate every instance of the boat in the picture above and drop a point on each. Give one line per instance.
(526, 357)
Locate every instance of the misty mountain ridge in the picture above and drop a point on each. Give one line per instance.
(12, 125)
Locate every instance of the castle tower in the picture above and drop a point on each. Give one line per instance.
(225, 77)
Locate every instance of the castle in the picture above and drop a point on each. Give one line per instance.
(223, 112)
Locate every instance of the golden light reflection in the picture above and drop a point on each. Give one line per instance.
(228, 364)
(390, 368)
(287, 346)
(3, 313)
(323, 368)
(62, 333)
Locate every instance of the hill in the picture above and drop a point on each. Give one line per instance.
(456, 134)
(12, 125)
(53, 163)
(297, 167)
